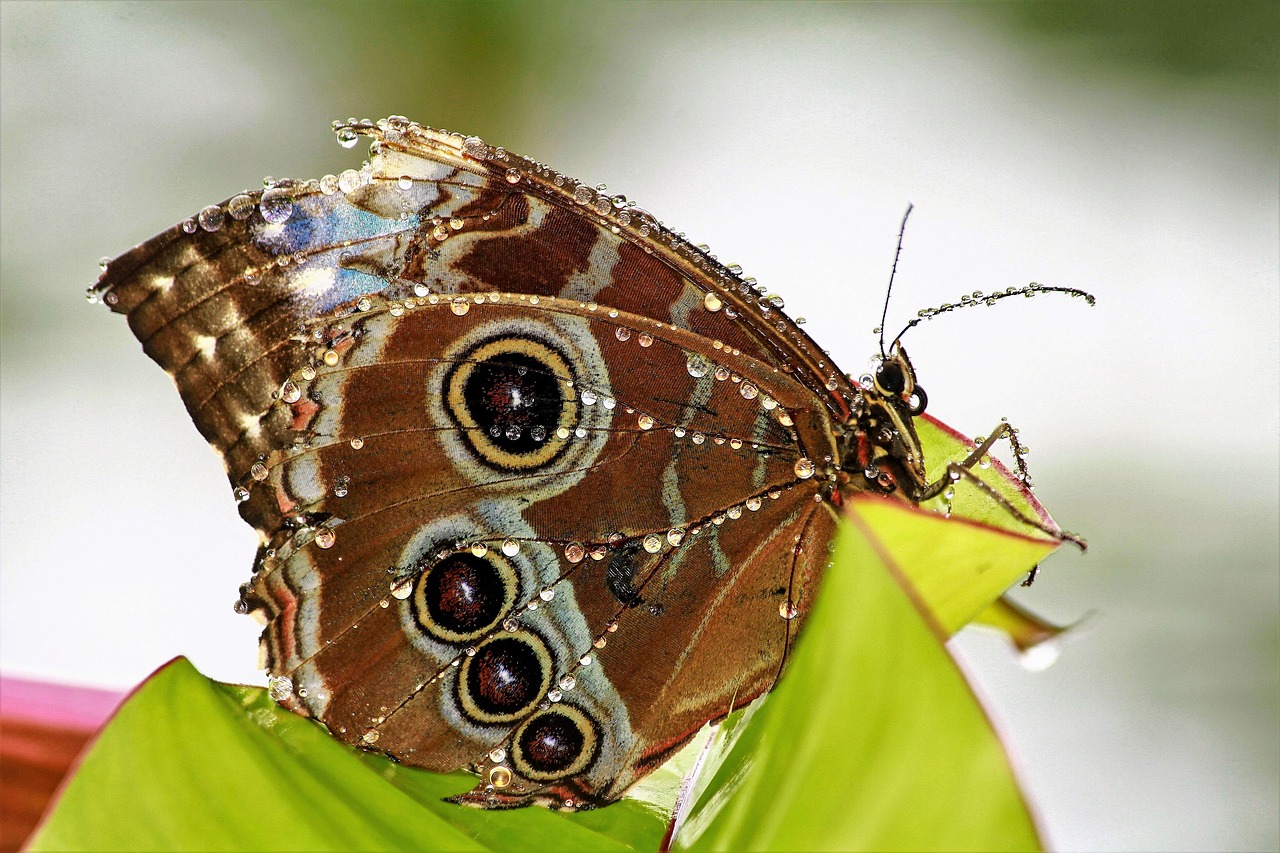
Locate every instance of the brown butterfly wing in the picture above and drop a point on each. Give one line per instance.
(532, 475)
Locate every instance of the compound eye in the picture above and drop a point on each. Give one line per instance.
(890, 380)
(919, 400)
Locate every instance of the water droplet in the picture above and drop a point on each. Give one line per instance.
(748, 390)
(567, 682)
(554, 695)
(211, 218)
(350, 180)
(364, 303)
(784, 418)
(240, 206)
(290, 392)
(722, 373)
(357, 443)
(698, 438)
(574, 552)
(547, 593)
(279, 688)
(499, 777)
(276, 205)
(788, 610)
(370, 737)
(258, 471)
(734, 512)
(325, 537)
(652, 543)
(585, 660)
(189, 226)
(498, 755)
(588, 398)
(622, 333)
(804, 468)
(1040, 656)
(698, 366)
(510, 547)
(510, 625)
(347, 137)
(479, 549)
(330, 357)
(459, 305)
(329, 184)
(645, 422)
(645, 339)
(600, 642)
(513, 176)
(402, 589)
(675, 536)
(241, 494)
(753, 504)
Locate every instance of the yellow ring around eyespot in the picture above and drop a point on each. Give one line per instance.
(477, 437)
(422, 614)
(467, 701)
(584, 758)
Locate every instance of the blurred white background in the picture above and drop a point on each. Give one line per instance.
(1130, 152)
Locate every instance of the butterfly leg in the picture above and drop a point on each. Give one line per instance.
(963, 469)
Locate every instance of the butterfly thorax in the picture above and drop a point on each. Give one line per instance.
(880, 451)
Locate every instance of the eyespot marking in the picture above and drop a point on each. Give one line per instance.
(505, 679)
(509, 397)
(558, 742)
(461, 597)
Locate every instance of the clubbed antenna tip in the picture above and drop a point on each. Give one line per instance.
(980, 298)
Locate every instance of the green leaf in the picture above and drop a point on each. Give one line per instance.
(942, 445)
(190, 764)
(873, 740)
(951, 567)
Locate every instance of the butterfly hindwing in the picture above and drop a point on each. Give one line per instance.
(533, 477)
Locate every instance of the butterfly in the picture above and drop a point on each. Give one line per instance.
(541, 487)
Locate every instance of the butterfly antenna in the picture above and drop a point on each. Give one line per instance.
(902, 229)
(980, 298)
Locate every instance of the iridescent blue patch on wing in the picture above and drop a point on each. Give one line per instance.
(318, 222)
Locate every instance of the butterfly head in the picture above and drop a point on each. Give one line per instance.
(882, 452)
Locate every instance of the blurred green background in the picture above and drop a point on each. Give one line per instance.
(1126, 148)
